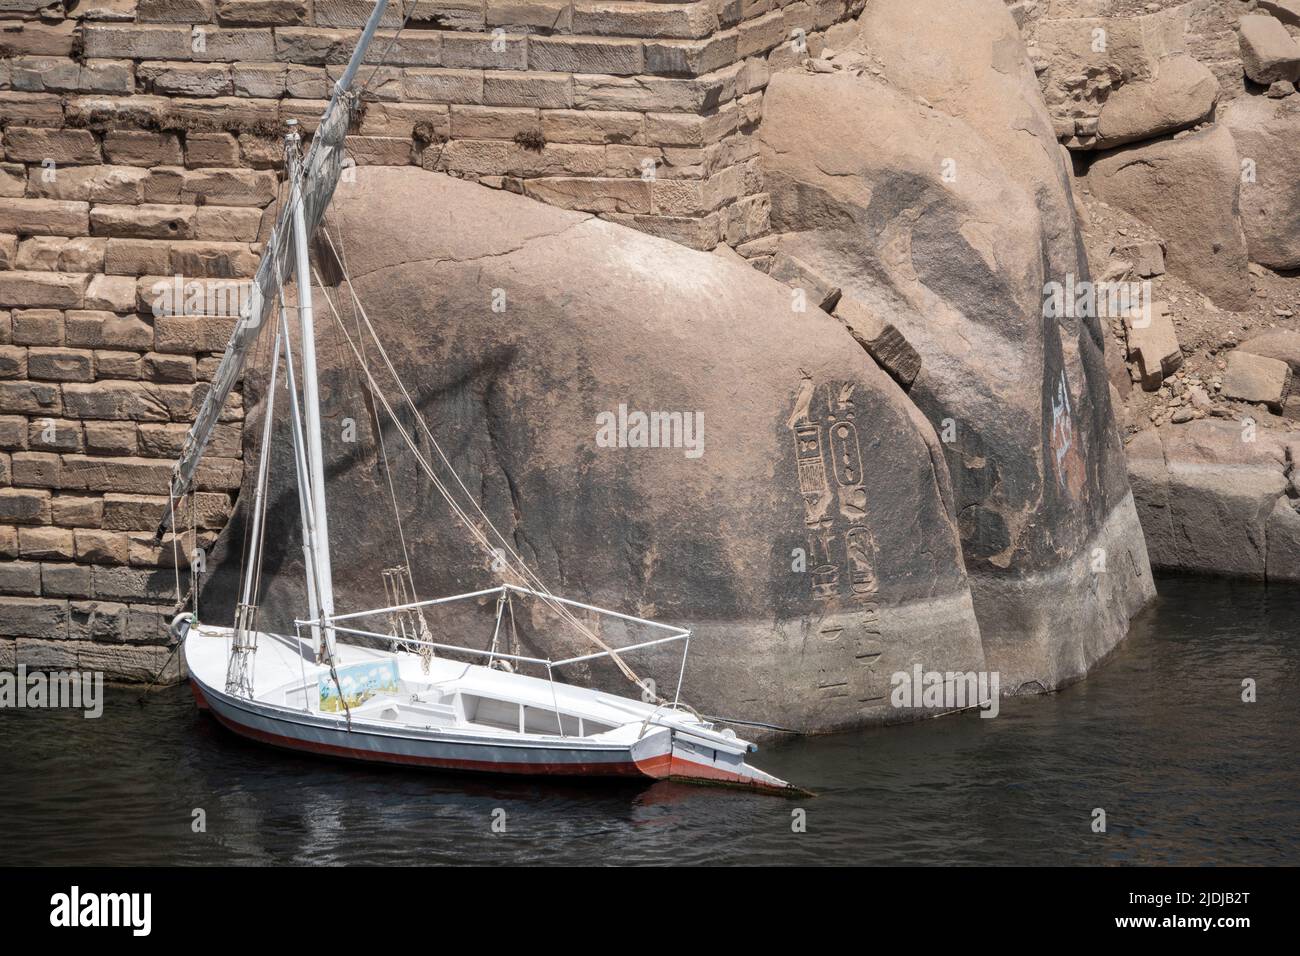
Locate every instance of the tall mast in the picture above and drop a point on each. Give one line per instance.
(313, 180)
(319, 537)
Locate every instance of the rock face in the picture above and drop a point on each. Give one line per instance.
(1218, 497)
(939, 199)
(1267, 134)
(1188, 190)
(812, 546)
(1114, 80)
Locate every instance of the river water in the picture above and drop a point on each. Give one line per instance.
(1158, 737)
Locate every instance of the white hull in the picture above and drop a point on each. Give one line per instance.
(458, 717)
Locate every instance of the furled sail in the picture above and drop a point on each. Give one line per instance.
(321, 171)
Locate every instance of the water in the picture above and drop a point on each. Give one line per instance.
(1158, 737)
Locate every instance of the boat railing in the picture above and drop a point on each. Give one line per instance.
(678, 634)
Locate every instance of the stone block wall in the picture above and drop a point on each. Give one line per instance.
(140, 146)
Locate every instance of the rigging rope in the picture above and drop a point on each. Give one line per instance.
(523, 572)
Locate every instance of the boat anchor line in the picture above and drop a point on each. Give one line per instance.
(325, 691)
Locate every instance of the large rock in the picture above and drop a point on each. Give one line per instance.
(1187, 189)
(1268, 54)
(1214, 498)
(1280, 344)
(812, 547)
(1114, 80)
(1256, 379)
(938, 197)
(1288, 11)
(1267, 134)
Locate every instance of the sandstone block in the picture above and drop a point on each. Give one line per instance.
(42, 290)
(1153, 345)
(136, 257)
(33, 617)
(675, 20)
(1268, 53)
(110, 294)
(30, 398)
(37, 327)
(1256, 379)
(145, 221)
(278, 13)
(547, 90)
(32, 109)
(592, 127)
(24, 506)
(60, 365)
(98, 329)
(65, 580)
(46, 544)
(126, 366)
(563, 54)
(22, 578)
(174, 11)
(44, 217)
(493, 122)
(115, 41)
(51, 434)
(142, 148)
(881, 339)
(592, 194)
(22, 38)
(111, 438)
(114, 583)
(95, 546)
(228, 187)
(13, 362)
(820, 291)
(485, 51)
(75, 511)
(185, 79)
(234, 45)
(227, 224)
(443, 86)
(102, 622)
(690, 57)
(1148, 257)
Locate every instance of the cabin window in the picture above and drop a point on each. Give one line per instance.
(539, 720)
(490, 712)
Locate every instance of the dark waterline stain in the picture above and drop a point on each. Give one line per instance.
(1158, 736)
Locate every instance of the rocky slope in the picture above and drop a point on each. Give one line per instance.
(1206, 213)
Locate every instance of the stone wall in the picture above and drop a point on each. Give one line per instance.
(141, 144)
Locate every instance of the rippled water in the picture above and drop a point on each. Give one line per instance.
(1158, 737)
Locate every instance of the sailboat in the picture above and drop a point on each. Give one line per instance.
(378, 685)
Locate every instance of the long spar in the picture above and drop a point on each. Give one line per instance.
(320, 174)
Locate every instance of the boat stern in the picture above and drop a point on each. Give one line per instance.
(674, 754)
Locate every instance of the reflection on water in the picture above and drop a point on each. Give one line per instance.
(1158, 737)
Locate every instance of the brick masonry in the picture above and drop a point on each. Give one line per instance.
(140, 142)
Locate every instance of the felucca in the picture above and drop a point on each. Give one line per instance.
(378, 685)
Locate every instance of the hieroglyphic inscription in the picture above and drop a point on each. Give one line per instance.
(841, 549)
